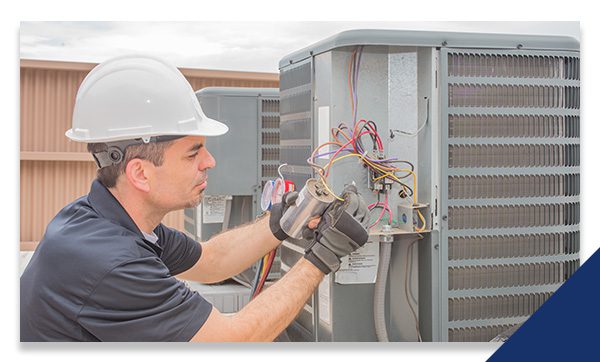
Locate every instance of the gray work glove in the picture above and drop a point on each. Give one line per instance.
(277, 212)
(342, 230)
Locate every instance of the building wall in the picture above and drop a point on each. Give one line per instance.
(54, 170)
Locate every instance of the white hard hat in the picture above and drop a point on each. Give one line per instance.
(134, 97)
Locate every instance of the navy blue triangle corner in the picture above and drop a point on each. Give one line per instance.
(566, 327)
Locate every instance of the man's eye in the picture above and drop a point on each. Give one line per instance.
(193, 156)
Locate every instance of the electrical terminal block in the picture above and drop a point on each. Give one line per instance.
(382, 184)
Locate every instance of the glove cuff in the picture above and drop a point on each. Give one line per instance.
(274, 225)
(322, 258)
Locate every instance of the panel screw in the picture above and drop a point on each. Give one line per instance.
(519, 46)
(445, 217)
(444, 43)
(436, 246)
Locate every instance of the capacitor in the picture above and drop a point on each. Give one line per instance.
(312, 201)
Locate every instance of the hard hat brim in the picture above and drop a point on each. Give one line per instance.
(208, 128)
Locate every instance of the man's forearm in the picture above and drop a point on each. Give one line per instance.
(274, 309)
(233, 251)
(266, 316)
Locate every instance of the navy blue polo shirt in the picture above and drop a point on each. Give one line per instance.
(95, 277)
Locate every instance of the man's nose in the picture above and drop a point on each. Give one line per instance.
(208, 161)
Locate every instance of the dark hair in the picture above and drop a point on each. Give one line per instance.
(153, 152)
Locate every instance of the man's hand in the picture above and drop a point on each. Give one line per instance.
(343, 229)
(277, 212)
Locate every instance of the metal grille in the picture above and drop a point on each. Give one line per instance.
(269, 138)
(269, 149)
(513, 66)
(514, 275)
(512, 246)
(499, 306)
(296, 119)
(296, 145)
(512, 216)
(511, 195)
(506, 186)
(542, 126)
(500, 95)
(513, 155)
(477, 334)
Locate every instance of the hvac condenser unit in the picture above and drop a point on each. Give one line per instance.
(480, 216)
(246, 157)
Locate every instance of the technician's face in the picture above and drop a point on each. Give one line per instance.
(180, 181)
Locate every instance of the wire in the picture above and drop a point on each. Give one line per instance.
(406, 292)
(378, 219)
(422, 228)
(410, 275)
(385, 207)
(383, 168)
(353, 71)
(410, 134)
(279, 170)
(257, 276)
(267, 268)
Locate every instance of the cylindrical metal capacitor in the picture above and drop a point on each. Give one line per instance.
(312, 201)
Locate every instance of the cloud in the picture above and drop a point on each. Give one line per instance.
(246, 46)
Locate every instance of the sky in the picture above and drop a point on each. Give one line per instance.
(243, 46)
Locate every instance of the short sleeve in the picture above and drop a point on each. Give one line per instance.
(140, 301)
(180, 252)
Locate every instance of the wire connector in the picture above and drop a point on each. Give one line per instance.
(382, 184)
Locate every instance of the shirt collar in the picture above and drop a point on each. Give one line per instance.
(105, 203)
(151, 237)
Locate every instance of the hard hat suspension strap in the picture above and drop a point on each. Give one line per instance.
(115, 151)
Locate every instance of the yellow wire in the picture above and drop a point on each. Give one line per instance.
(264, 266)
(385, 174)
(422, 220)
(331, 192)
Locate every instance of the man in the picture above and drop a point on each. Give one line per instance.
(104, 270)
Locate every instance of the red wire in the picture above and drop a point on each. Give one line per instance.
(340, 150)
(379, 218)
(385, 207)
(264, 276)
(376, 134)
(371, 130)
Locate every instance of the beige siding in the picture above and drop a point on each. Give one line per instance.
(56, 171)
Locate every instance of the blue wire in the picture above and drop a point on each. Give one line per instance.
(257, 277)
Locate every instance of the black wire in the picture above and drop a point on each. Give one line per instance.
(404, 188)
(412, 167)
(359, 144)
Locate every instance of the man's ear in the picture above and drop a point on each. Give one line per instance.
(136, 174)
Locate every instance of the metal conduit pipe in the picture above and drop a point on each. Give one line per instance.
(385, 254)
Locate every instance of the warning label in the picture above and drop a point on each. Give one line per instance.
(213, 208)
(360, 267)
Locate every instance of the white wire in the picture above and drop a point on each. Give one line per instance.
(412, 134)
(409, 134)
(279, 171)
